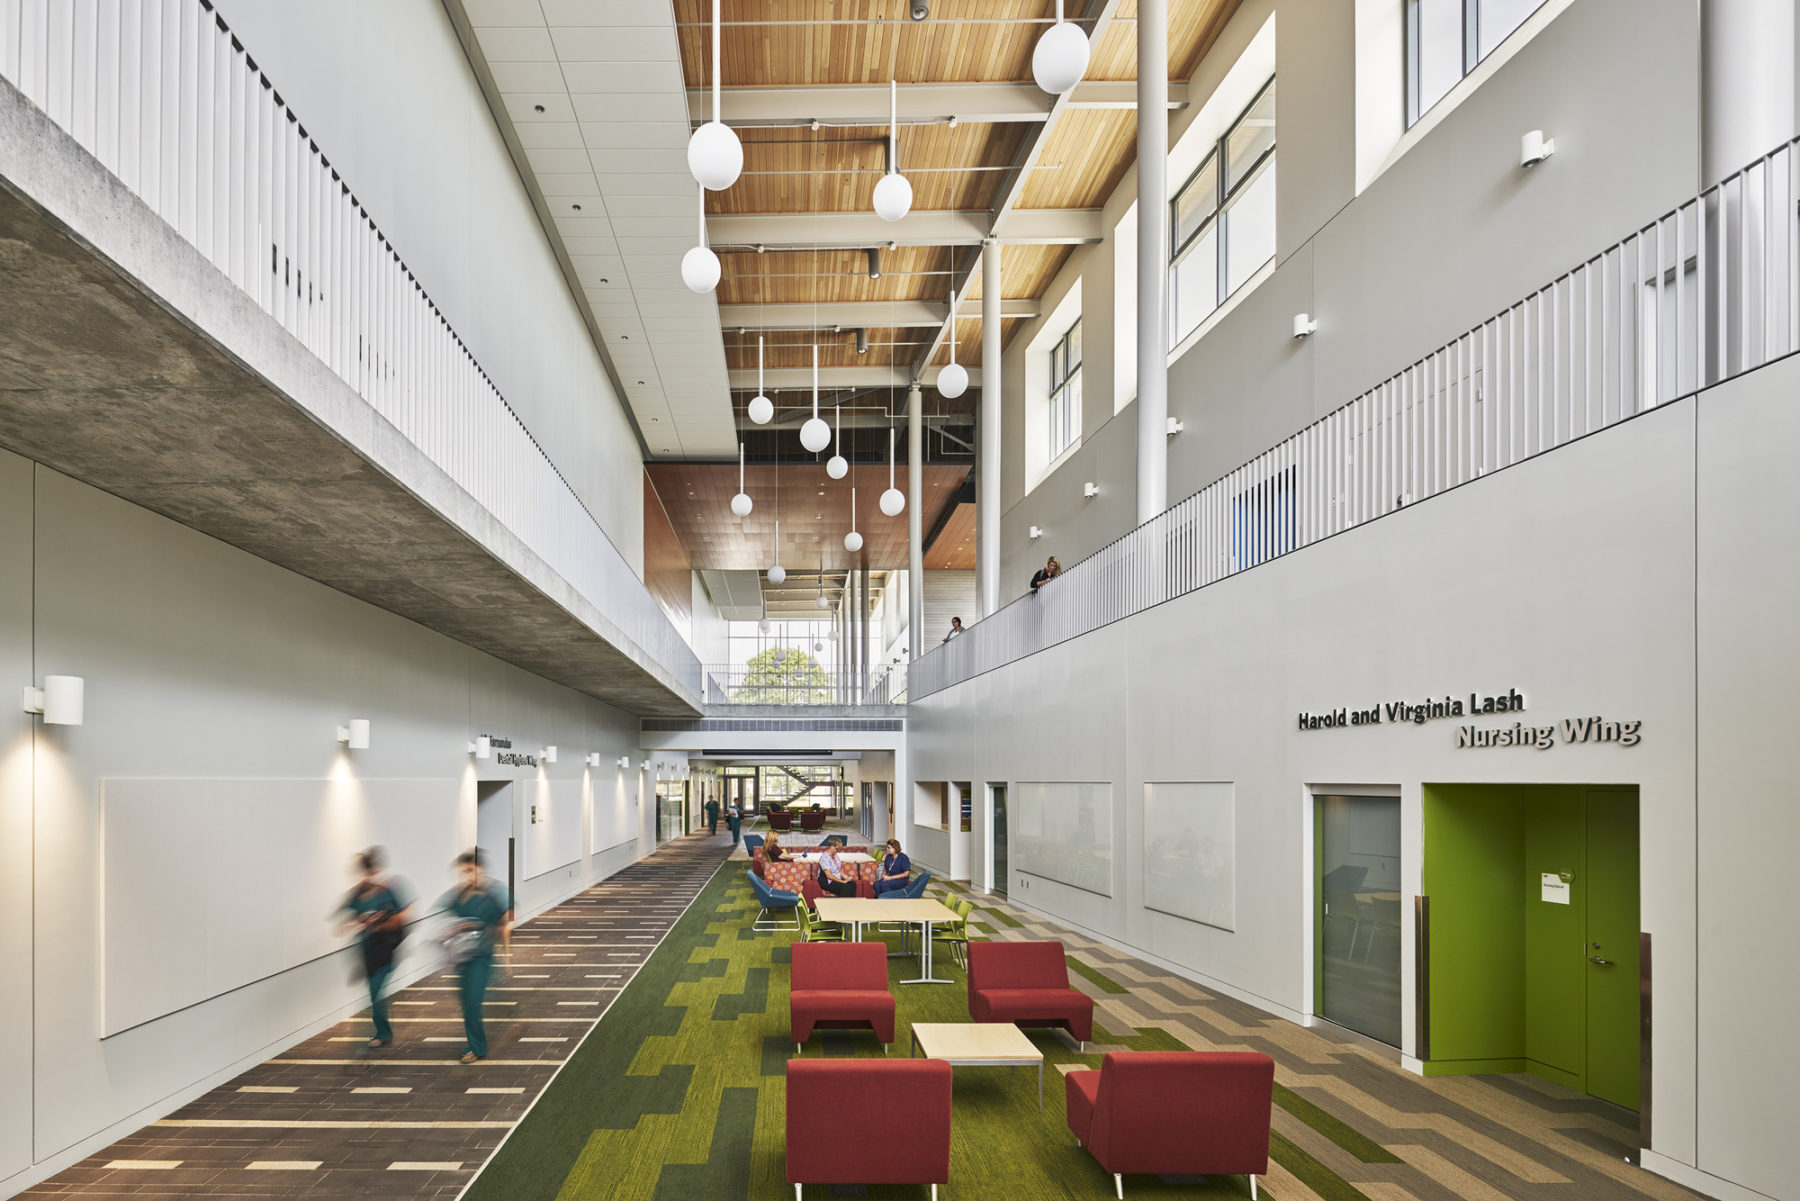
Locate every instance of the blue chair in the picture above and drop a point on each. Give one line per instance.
(837, 839)
(751, 842)
(772, 899)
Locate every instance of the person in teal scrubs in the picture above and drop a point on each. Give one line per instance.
(376, 910)
(480, 912)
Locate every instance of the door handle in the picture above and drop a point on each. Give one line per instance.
(1600, 961)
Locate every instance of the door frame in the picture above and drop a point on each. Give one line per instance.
(1312, 927)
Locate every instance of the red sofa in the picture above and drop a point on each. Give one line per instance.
(1175, 1112)
(907, 1100)
(1027, 983)
(838, 986)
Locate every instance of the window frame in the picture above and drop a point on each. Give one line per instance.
(1411, 112)
(1057, 395)
(1225, 191)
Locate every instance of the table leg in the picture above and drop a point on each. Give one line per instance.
(1040, 1085)
(925, 976)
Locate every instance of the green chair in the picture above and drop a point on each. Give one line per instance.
(814, 930)
(956, 933)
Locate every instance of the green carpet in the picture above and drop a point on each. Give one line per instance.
(678, 1093)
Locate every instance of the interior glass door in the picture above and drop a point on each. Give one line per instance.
(997, 793)
(1358, 918)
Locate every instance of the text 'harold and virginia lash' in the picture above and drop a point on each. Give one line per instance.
(1573, 730)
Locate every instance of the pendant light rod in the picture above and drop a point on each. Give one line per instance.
(893, 127)
(890, 456)
(759, 364)
(815, 381)
(718, 114)
(953, 326)
(837, 433)
(853, 509)
(740, 466)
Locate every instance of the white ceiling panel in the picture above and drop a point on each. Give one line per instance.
(621, 77)
(503, 12)
(643, 43)
(647, 185)
(669, 161)
(557, 162)
(638, 106)
(576, 183)
(551, 135)
(619, 14)
(522, 107)
(521, 44)
(527, 76)
(605, 136)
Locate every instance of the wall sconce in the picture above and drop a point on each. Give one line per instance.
(549, 755)
(1090, 490)
(482, 747)
(356, 734)
(1175, 426)
(624, 762)
(1036, 532)
(1304, 325)
(644, 765)
(593, 759)
(1534, 148)
(61, 700)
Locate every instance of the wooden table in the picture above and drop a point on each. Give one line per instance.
(856, 911)
(978, 1044)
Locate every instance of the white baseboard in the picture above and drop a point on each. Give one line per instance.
(1699, 1181)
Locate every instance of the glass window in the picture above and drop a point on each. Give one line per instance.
(1065, 392)
(1224, 217)
(1445, 39)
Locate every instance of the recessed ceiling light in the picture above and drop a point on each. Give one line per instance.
(624, 337)
(640, 382)
(538, 107)
(604, 280)
(576, 207)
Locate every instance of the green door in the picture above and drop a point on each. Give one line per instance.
(1613, 1000)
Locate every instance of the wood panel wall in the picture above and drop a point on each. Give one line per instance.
(667, 571)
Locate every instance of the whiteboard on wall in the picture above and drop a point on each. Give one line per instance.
(615, 812)
(552, 824)
(1063, 831)
(1190, 851)
(209, 885)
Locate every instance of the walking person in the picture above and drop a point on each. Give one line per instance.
(481, 915)
(712, 815)
(376, 912)
(734, 821)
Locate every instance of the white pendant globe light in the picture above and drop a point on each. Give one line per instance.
(714, 154)
(1061, 56)
(777, 573)
(853, 540)
(741, 504)
(893, 501)
(953, 380)
(893, 195)
(700, 266)
(761, 408)
(837, 467)
(815, 435)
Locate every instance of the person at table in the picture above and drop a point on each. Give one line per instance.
(896, 870)
(835, 876)
(772, 848)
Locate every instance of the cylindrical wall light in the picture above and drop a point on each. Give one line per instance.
(482, 747)
(356, 734)
(62, 700)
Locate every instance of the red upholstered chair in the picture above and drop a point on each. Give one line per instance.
(1175, 1112)
(907, 1100)
(780, 820)
(787, 874)
(812, 819)
(1027, 983)
(840, 985)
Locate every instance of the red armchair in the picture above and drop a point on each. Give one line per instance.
(1027, 983)
(907, 1100)
(1175, 1112)
(838, 986)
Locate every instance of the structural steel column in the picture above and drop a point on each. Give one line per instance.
(1152, 259)
(987, 501)
(915, 522)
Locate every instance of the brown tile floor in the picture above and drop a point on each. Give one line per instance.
(329, 1119)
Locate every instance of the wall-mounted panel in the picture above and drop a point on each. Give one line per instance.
(615, 809)
(1190, 851)
(552, 825)
(209, 885)
(1063, 831)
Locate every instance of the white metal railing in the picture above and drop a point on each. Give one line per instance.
(1699, 295)
(798, 679)
(163, 95)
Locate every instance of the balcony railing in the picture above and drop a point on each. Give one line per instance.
(168, 101)
(1701, 294)
(800, 681)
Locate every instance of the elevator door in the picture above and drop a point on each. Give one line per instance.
(1357, 947)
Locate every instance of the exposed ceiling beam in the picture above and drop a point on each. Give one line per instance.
(920, 103)
(940, 227)
(793, 379)
(1097, 15)
(853, 314)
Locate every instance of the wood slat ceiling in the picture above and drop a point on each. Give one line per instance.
(803, 276)
(835, 169)
(954, 549)
(814, 510)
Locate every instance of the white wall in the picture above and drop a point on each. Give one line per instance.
(204, 663)
(1572, 577)
(388, 94)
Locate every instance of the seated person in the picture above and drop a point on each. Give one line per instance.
(835, 877)
(772, 848)
(896, 870)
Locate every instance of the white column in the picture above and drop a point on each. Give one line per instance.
(915, 523)
(1152, 259)
(987, 501)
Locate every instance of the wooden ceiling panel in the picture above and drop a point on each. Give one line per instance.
(814, 510)
(803, 276)
(1025, 271)
(793, 348)
(1090, 149)
(834, 170)
(954, 549)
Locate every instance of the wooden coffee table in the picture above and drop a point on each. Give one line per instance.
(978, 1044)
